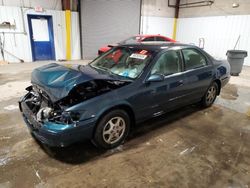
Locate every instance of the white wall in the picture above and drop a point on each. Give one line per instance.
(220, 33)
(157, 18)
(218, 8)
(46, 4)
(75, 37)
(157, 8)
(18, 42)
(157, 25)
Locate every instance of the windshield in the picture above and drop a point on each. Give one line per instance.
(124, 62)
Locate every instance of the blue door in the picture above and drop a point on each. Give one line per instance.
(41, 37)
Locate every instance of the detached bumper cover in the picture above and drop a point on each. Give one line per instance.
(57, 135)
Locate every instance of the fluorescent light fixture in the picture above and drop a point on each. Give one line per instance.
(235, 5)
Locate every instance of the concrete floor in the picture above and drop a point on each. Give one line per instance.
(190, 147)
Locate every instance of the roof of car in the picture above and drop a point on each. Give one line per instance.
(155, 35)
(155, 45)
(147, 35)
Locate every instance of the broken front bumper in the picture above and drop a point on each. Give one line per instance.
(54, 134)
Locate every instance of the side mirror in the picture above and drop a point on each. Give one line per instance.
(155, 78)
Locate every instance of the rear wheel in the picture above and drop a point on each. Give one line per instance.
(112, 129)
(210, 95)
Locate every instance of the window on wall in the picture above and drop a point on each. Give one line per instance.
(168, 63)
(193, 59)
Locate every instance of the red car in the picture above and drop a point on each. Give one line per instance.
(137, 38)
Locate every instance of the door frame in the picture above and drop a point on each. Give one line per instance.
(51, 33)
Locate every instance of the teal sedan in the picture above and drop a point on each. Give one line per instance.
(124, 86)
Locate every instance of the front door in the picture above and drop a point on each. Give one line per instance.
(41, 37)
(158, 97)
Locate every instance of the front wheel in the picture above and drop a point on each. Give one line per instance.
(210, 95)
(112, 129)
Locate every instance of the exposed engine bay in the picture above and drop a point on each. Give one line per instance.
(90, 89)
(39, 103)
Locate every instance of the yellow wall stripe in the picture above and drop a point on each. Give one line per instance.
(174, 29)
(68, 34)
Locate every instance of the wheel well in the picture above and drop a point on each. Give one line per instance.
(126, 108)
(217, 81)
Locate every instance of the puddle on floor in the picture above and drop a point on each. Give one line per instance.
(229, 92)
(235, 98)
(248, 112)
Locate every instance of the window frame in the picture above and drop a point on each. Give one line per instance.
(144, 70)
(181, 62)
(198, 51)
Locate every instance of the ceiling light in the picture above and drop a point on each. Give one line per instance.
(235, 5)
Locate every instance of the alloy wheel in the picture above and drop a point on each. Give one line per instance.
(211, 94)
(114, 130)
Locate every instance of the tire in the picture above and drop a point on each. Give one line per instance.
(112, 129)
(210, 95)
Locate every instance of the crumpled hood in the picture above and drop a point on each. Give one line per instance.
(58, 80)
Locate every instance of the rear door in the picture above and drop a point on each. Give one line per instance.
(198, 73)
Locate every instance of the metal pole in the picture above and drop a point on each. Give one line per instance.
(80, 26)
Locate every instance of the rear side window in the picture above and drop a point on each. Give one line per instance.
(160, 39)
(149, 39)
(193, 59)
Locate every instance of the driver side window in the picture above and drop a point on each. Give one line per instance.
(168, 63)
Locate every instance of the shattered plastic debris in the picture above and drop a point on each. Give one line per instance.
(4, 161)
(37, 174)
(177, 143)
(184, 151)
(188, 150)
(118, 149)
(115, 150)
(159, 140)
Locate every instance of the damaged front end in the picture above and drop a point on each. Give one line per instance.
(41, 114)
(44, 110)
(37, 105)
(89, 90)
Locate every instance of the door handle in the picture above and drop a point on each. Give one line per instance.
(180, 83)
